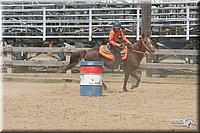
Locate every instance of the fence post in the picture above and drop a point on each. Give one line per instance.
(146, 27)
(9, 57)
(68, 71)
(148, 71)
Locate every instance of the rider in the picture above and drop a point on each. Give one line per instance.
(115, 33)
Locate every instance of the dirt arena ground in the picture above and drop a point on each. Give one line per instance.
(59, 106)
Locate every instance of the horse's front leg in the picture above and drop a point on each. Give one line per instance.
(134, 75)
(126, 76)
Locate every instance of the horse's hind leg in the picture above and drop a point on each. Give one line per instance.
(104, 86)
(134, 75)
(125, 81)
(63, 69)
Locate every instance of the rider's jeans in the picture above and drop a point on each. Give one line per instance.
(116, 51)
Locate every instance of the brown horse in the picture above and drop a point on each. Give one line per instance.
(135, 55)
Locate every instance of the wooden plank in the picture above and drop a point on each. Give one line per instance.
(142, 66)
(9, 68)
(169, 66)
(176, 52)
(34, 63)
(36, 75)
(42, 49)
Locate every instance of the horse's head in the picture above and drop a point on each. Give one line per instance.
(147, 43)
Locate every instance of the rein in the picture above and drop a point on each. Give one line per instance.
(140, 52)
(144, 45)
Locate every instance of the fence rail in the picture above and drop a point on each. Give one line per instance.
(9, 62)
(193, 67)
(176, 52)
(35, 63)
(67, 50)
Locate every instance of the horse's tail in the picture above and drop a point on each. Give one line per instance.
(74, 60)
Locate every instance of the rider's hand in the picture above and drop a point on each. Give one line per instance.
(130, 44)
(119, 45)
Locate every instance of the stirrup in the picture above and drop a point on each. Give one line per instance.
(122, 52)
(118, 70)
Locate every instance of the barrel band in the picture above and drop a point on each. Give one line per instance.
(91, 63)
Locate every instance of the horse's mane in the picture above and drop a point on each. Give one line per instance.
(135, 46)
(138, 45)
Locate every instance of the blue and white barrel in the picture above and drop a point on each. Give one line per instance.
(91, 78)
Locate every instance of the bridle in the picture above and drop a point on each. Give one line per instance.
(145, 46)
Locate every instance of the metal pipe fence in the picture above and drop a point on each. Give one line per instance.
(87, 21)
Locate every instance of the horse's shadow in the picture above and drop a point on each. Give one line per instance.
(117, 91)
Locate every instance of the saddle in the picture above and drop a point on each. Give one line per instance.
(105, 51)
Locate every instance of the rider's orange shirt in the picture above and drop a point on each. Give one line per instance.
(114, 37)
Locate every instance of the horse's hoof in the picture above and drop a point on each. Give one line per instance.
(125, 90)
(133, 87)
(104, 86)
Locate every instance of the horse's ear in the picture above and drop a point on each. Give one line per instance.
(143, 35)
(148, 36)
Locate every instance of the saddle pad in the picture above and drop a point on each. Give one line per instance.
(106, 54)
(104, 51)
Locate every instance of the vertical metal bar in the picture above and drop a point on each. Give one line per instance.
(90, 24)
(1, 69)
(138, 24)
(22, 14)
(44, 23)
(188, 23)
(0, 23)
(1, 60)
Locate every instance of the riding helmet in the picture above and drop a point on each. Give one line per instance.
(116, 24)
